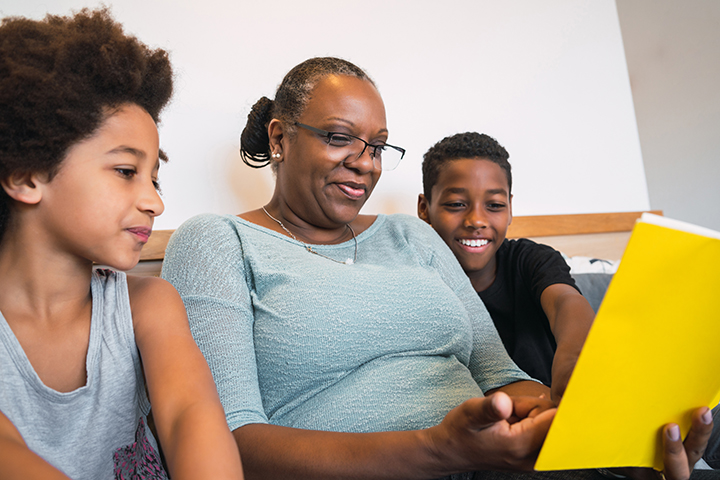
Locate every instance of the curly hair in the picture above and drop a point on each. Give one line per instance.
(291, 98)
(60, 78)
(462, 145)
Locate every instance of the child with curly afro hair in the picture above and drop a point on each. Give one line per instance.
(84, 353)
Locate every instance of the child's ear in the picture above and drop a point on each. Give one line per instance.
(24, 188)
(276, 135)
(423, 208)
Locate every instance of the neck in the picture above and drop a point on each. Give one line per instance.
(40, 281)
(348, 261)
(304, 230)
(482, 279)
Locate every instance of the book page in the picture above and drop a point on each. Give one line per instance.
(678, 225)
(651, 357)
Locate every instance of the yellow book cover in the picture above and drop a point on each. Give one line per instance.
(652, 355)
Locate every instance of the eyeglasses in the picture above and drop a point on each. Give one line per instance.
(385, 157)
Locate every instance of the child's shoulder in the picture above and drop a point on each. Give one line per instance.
(529, 258)
(148, 292)
(520, 247)
(139, 288)
(156, 308)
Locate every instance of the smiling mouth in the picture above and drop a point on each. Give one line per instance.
(354, 193)
(474, 242)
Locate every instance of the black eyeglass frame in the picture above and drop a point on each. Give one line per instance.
(328, 136)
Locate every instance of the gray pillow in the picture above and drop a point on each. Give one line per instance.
(593, 286)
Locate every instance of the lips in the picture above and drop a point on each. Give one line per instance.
(355, 191)
(142, 233)
(474, 242)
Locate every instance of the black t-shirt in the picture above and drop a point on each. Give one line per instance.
(524, 270)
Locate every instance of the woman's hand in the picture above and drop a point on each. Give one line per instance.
(498, 432)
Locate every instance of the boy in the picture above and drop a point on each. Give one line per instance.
(540, 315)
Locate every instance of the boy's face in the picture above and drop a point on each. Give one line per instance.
(471, 209)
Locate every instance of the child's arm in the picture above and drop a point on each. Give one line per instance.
(570, 316)
(189, 417)
(18, 461)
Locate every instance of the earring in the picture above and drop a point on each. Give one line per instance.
(276, 155)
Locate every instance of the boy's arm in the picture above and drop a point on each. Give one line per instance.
(570, 316)
(189, 417)
(18, 461)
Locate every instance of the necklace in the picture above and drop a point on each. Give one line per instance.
(349, 261)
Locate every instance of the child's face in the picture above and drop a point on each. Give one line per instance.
(471, 209)
(101, 204)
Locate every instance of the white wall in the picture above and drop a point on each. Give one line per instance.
(547, 79)
(673, 55)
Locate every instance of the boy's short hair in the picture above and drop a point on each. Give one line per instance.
(462, 145)
(60, 79)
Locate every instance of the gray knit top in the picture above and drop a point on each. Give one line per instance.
(392, 342)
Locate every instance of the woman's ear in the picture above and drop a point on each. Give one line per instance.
(423, 208)
(276, 135)
(24, 188)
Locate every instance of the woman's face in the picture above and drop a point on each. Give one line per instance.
(319, 184)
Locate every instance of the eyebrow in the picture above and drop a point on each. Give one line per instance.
(455, 190)
(132, 151)
(494, 191)
(139, 154)
(344, 120)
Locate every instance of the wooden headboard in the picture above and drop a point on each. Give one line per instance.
(597, 235)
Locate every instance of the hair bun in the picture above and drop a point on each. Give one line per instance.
(254, 140)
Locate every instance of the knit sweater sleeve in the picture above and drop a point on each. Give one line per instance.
(204, 261)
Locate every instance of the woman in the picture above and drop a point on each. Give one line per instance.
(346, 345)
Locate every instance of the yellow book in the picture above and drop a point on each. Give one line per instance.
(652, 355)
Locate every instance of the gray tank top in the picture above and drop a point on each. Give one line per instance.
(99, 430)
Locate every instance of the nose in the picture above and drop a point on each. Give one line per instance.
(475, 218)
(362, 162)
(150, 201)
